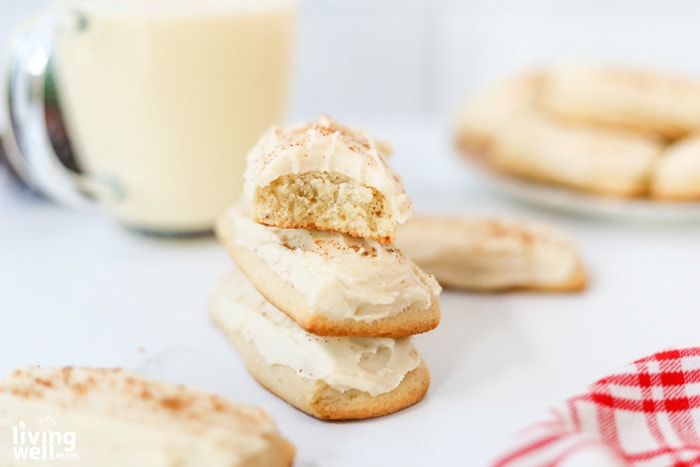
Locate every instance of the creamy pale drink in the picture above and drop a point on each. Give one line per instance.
(164, 98)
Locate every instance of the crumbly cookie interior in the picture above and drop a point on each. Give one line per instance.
(324, 201)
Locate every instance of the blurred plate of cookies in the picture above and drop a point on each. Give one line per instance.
(591, 139)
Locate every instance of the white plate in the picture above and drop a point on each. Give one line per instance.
(562, 199)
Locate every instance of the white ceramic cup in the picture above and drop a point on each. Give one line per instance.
(162, 99)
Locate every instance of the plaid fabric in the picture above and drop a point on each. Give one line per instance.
(648, 414)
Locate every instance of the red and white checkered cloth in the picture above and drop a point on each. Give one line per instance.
(648, 414)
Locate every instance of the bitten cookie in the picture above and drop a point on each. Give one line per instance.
(677, 174)
(491, 255)
(325, 176)
(332, 284)
(332, 378)
(115, 418)
(657, 102)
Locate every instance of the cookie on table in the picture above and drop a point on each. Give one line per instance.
(112, 417)
(588, 158)
(657, 102)
(677, 174)
(492, 255)
(334, 378)
(332, 284)
(325, 176)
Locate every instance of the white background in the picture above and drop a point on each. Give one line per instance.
(76, 289)
(421, 56)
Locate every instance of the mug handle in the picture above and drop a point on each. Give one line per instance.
(26, 137)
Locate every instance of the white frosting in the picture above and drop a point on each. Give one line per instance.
(340, 276)
(372, 365)
(326, 146)
(116, 418)
(487, 254)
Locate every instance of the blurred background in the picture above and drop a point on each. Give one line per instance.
(421, 57)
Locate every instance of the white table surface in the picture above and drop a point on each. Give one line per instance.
(76, 289)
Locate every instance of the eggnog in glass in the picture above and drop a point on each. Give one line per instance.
(163, 98)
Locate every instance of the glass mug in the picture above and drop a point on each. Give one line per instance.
(161, 100)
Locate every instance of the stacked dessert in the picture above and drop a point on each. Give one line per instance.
(322, 306)
(598, 129)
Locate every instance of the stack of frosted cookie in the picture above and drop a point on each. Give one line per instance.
(602, 130)
(321, 305)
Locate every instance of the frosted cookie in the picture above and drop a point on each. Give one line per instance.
(325, 176)
(490, 255)
(113, 418)
(330, 283)
(587, 158)
(328, 377)
(489, 112)
(641, 100)
(677, 175)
